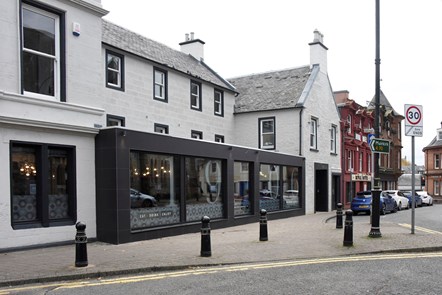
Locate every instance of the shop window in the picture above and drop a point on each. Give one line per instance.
(269, 183)
(241, 185)
(154, 190)
(203, 188)
(41, 194)
(290, 187)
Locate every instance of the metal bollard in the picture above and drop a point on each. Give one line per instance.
(206, 250)
(80, 245)
(348, 230)
(339, 216)
(263, 226)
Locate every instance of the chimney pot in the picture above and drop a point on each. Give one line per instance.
(186, 37)
(192, 34)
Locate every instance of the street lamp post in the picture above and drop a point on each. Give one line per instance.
(375, 231)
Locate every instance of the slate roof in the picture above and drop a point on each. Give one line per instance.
(159, 53)
(270, 90)
(434, 143)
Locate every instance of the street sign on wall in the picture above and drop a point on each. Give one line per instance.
(414, 120)
(380, 146)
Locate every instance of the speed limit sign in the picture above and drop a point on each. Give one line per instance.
(413, 120)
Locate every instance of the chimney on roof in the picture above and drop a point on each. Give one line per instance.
(318, 51)
(192, 46)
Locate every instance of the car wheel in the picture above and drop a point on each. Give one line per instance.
(395, 208)
(383, 209)
(399, 207)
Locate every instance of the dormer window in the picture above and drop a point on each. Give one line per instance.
(439, 135)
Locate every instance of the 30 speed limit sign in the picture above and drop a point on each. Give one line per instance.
(413, 120)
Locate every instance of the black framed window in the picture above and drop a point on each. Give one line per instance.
(160, 84)
(218, 102)
(195, 96)
(42, 51)
(196, 134)
(267, 134)
(112, 120)
(114, 70)
(43, 189)
(313, 133)
(219, 138)
(160, 128)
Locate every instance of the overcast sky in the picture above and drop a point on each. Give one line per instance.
(244, 37)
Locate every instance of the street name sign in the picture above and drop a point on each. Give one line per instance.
(381, 146)
(414, 120)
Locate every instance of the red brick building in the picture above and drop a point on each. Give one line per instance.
(356, 157)
(433, 166)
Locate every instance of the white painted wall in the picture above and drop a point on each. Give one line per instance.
(141, 111)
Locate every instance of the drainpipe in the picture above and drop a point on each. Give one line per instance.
(300, 132)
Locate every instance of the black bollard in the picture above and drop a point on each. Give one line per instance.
(348, 230)
(206, 250)
(339, 216)
(263, 226)
(80, 245)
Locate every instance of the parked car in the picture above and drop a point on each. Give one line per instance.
(417, 199)
(362, 202)
(139, 200)
(401, 200)
(426, 198)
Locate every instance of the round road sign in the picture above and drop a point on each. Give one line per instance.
(413, 115)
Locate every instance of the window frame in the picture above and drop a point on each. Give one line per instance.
(164, 86)
(219, 138)
(437, 161)
(261, 134)
(42, 156)
(219, 103)
(333, 142)
(120, 71)
(163, 127)
(59, 55)
(196, 134)
(198, 96)
(121, 121)
(313, 133)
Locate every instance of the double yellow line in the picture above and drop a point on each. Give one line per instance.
(211, 270)
(423, 229)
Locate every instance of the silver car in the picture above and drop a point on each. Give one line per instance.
(139, 200)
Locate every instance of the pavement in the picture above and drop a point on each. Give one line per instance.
(302, 237)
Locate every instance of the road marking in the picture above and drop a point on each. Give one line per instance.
(426, 230)
(210, 270)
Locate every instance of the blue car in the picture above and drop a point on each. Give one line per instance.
(417, 199)
(362, 203)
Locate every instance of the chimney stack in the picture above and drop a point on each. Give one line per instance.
(318, 51)
(192, 46)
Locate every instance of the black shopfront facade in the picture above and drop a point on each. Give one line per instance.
(153, 185)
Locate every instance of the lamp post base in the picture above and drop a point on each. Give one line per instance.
(375, 232)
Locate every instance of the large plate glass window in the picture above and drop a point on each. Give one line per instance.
(40, 52)
(269, 187)
(290, 187)
(43, 185)
(241, 183)
(154, 190)
(204, 188)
